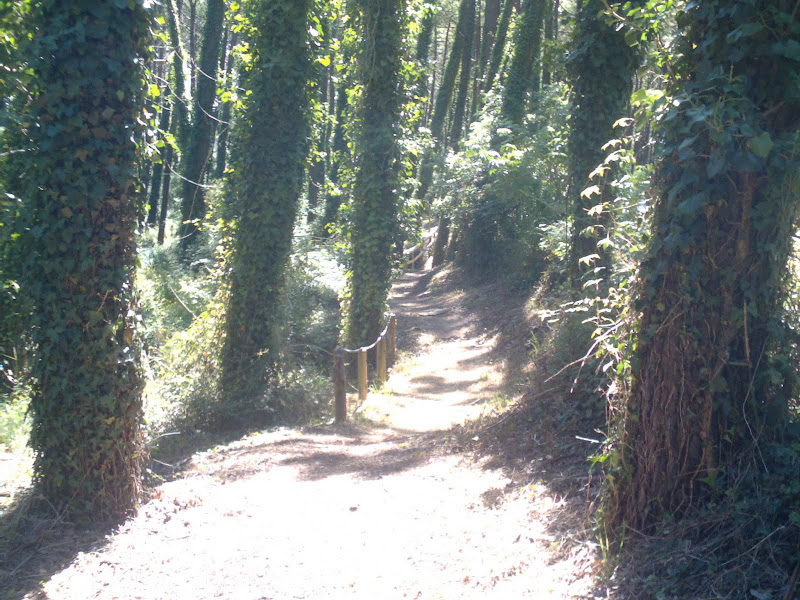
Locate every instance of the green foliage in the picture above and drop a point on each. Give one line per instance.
(73, 248)
(500, 193)
(15, 422)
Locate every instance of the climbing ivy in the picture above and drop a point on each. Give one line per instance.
(601, 68)
(196, 160)
(374, 198)
(268, 165)
(710, 376)
(73, 247)
(523, 76)
(498, 50)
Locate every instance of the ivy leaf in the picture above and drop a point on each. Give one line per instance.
(745, 30)
(716, 164)
(691, 204)
(590, 191)
(789, 49)
(760, 145)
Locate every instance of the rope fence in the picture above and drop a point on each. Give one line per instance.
(386, 349)
(420, 250)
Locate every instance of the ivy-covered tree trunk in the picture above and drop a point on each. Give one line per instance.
(317, 161)
(158, 168)
(77, 253)
(225, 113)
(548, 45)
(468, 32)
(523, 76)
(444, 95)
(333, 198)
(601, 68)
(498, 50)
(178, 80)
(167, 176)
(708, 381)
(424, 39)
(374, 197)
(198, 153)
(491, 15)
(269, 164)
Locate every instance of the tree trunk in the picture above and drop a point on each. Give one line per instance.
(158, 168)
(444, 97)
(80, 259)
(225, 114)
(498, 50)
(523, 76)
(333, 198)
(165, 186)
(269, 160)
(551, 16)
(178, 80)
(706, 386)
(192, 47)
(475, 96)
(374, 199)
(601, 68)
(198, 154)
(442, 237)
(491, 14)
(467, 30)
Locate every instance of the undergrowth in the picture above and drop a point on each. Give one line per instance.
(184, 309)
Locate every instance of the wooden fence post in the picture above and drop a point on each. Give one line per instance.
(392, 334)
(381, 361)
(340, 386)
(362, 374)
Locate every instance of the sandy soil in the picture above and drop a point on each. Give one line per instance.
(380, 509)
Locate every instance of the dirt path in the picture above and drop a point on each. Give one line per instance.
(374, 512)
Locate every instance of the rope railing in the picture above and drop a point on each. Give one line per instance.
(386, 349)
(421, 249)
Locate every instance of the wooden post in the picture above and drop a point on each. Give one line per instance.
(381, 361)
(392, 334)
(362, 374)
(340, 385)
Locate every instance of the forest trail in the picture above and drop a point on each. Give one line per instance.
(380, 509)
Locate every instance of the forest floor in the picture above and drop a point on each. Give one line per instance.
(463, 478)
